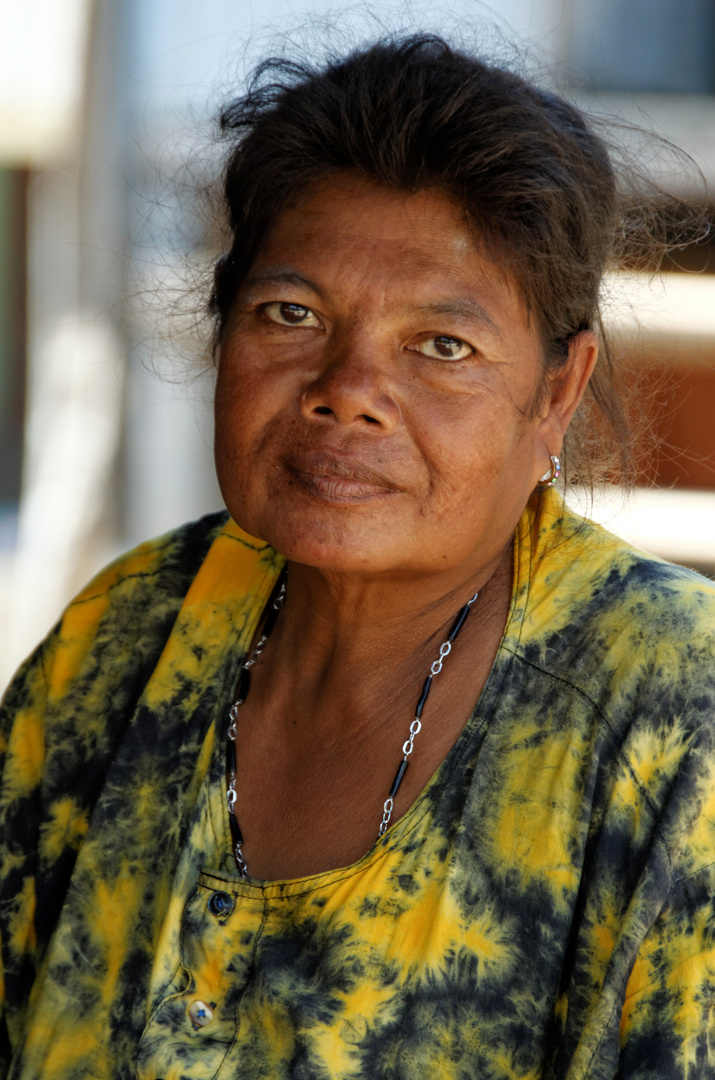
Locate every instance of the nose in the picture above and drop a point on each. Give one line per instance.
(352, 389)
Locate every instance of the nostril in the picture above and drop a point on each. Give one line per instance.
(323, 410)
(370, 419)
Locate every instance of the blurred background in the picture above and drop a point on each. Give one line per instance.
(105, 422)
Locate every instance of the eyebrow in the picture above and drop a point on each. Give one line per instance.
(462, 307)
(281, 275)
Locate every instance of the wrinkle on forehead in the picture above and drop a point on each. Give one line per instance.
(416, 216)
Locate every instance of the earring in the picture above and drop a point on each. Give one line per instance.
(549, 478)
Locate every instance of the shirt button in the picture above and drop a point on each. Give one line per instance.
(220, 903)
(200, 1014)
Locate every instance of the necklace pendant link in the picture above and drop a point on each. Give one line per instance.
(386, 815)
(255, 655)
(233, 717)
(444, 651)
(240, 861)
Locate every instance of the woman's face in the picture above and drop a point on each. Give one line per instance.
(374, 405)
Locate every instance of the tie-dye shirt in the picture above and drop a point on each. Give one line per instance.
(546, 908)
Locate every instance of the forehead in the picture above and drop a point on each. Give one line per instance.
(347, 232)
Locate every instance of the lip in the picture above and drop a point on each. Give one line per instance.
(338, 478)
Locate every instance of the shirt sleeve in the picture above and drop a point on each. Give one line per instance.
(668, 1019)
(21, 765)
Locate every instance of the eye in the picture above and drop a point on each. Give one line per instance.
(290, 314)
(442, 347)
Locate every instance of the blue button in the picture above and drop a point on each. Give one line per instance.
(220, 904)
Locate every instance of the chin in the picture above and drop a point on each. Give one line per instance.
(358, 537)
(332, 548)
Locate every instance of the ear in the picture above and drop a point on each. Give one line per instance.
(566, 388)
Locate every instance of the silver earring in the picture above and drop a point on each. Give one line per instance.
(549, 478)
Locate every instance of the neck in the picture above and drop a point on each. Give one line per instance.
(353, 649)
(333, 701)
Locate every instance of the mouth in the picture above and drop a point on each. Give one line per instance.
(338, 479)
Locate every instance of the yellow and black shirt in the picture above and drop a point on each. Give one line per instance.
(546, 908)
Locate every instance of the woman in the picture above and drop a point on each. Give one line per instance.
(461, 825)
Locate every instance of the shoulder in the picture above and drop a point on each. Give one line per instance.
(197, 586)
(594, 603)
(151, 580)
(619, 647)
(170, 561)
(615, 661)
(120, 618)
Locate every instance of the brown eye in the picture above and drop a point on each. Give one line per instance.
(293, 313)
(443, 347)
(286, 314)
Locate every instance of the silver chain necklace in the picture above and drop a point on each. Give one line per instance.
(244, 684)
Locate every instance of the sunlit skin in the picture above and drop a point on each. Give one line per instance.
(376, 423)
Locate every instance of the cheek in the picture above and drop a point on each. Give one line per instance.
(484, 476)
(254, 421)
(234, 432)
(479, 443)
(228, 430)
(239, 405)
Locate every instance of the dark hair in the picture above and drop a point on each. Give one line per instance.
(533, 180)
